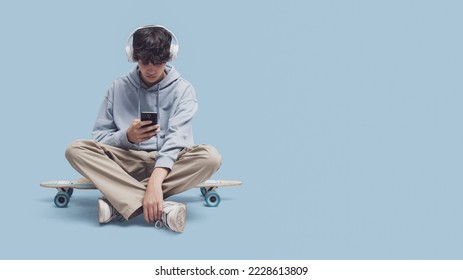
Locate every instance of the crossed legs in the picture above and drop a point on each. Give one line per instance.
(121, 175)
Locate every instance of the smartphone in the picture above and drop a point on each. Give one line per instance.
(149, 116)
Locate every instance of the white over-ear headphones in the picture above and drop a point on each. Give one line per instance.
(173, 43)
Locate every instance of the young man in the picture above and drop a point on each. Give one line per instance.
(137, 164)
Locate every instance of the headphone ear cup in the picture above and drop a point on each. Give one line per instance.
(173, 51)
(129, 52)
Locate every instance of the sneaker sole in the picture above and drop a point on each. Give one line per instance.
(181, 218)
(101, 218)
(179, 224)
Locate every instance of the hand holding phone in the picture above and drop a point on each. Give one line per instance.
(137, 133)
(149, 116)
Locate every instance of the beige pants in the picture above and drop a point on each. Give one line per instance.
(122, 175)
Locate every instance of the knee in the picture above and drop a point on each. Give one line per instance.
(73, 150)
(213, 159)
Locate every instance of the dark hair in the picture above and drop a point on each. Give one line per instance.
(152, 45)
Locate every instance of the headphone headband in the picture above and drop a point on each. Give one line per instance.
(173, 43)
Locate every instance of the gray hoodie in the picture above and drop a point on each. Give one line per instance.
(173, 98)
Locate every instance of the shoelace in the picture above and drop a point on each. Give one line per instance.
(161, 222)
(158, 224)
(115, 215)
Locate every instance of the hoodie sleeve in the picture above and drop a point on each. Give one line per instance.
(105, 129)
(179, 133)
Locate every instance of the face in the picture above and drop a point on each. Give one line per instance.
(151, 74)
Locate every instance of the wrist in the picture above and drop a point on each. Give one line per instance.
(128, 138)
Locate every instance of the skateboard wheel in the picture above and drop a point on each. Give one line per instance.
(212, 199)
(62, 199)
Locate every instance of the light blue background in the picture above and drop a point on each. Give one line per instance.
(342, 118)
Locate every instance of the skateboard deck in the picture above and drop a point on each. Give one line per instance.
(66, 188)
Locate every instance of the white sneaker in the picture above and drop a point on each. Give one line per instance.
(173, 216)
(106, 212)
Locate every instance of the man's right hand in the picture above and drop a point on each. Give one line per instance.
(140, 131)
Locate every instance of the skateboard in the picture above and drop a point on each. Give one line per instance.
(66, 188)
